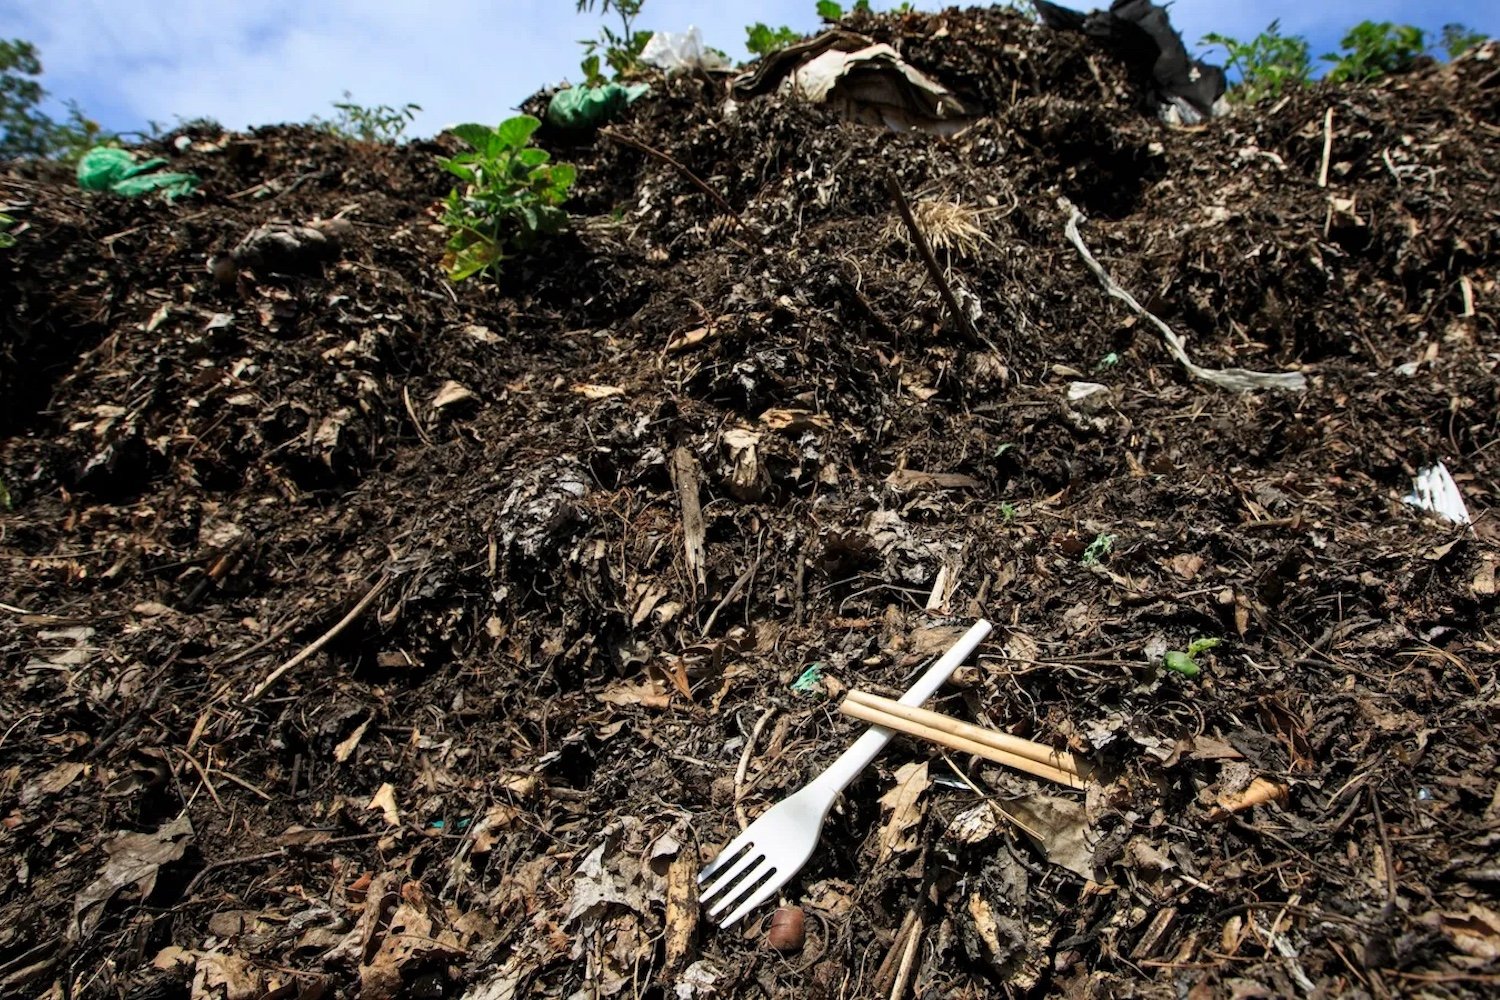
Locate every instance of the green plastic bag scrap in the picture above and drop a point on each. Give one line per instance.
(105, 168)
(811, 680)
(590, 107)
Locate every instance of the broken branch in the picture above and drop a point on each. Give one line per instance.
(924, 249)
(1237, 379)
(322, 640)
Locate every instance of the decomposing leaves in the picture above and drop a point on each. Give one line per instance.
(903, 805)
(133, 860)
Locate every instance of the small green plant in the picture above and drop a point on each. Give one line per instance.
(1457, 39)
(380, 123)
(619, 51)
(1374, 49)
(1098, 549)
(1007, 512)
(830, 10)
(1186, 663)
(510, 197)
(1268, 63)
(6, 239)
(762, 40)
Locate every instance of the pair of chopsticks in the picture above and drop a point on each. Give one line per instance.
(1002, 748)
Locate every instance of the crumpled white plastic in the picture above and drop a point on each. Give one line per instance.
(681, 51)
(1434, 489)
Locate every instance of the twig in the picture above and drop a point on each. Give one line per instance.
(322, 640)
(739, 584)
(886, 973)
(697, 181)
(249, 651)
(924, 249)
(1385, 844)
(740, 772)
(1238, 379)
(1327, 148)
(685, 478)
(203, 776)
(903, 973)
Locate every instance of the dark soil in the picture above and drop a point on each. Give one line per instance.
(501, 773)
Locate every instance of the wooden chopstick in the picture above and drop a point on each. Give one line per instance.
(936, 728)
(1038, 752)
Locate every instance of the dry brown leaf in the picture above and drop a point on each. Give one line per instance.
(226, 977)
(1186, 566)
(134, 859)
(486, 832)
(449, 395)
(795, 420)
(652, 693)
(684, 341)
(345, 750)
(1059, 827)
(384, 799)
(915, 479)
(589, 390)
(1475, 933)
(903, 802)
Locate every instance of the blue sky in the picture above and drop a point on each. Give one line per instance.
(248, 63)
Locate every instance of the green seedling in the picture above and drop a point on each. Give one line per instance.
(619, 51)
(380, 123)
(509, 199)
(828, 10)
(762, 40)
(1374, 49)
(1098, 549)
(6, 239)
(1007, 512)
(1186, 663)
(1458, 39)
(1268, 64)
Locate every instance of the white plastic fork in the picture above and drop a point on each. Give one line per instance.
(761, 860)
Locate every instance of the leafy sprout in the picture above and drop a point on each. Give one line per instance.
(762, 40)
(1268, 64)
(619, 51)
(1373, 49)
(509, 199)
(1186, 663)
(1100, 547)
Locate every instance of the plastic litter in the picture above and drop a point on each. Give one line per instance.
(864, 81)
(681, 52)
(590, 107)
(811, 680)
(1434, 489)
(106, 168)
(1186, 91)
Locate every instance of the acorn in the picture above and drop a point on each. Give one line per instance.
(788, 929)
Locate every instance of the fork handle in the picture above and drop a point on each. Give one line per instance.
(865, 749)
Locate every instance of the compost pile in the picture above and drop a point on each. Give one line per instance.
(568, 571)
